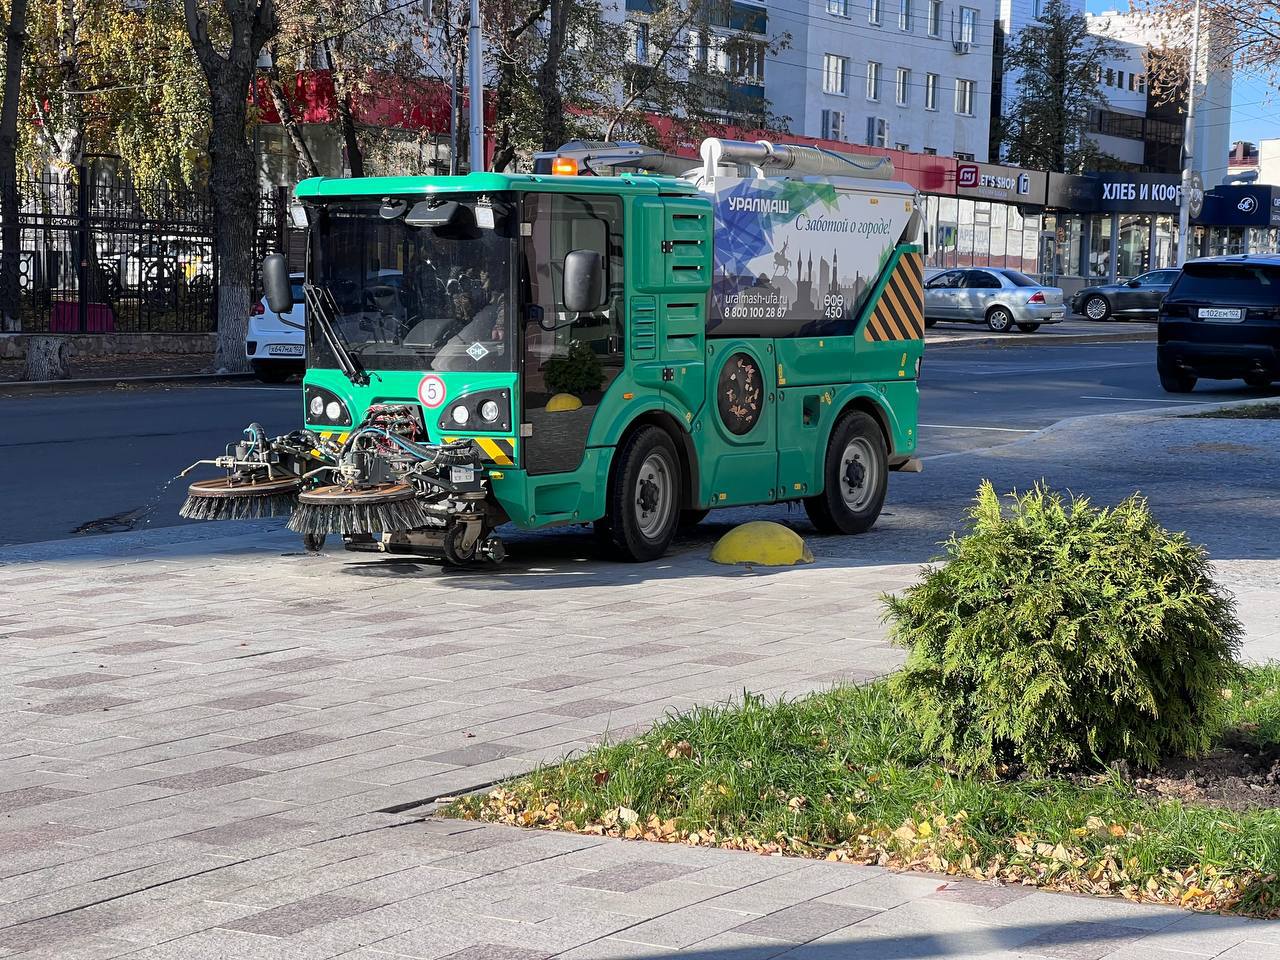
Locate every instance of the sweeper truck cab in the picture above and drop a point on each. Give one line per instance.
(597, 342)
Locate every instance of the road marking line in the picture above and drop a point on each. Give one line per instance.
(955, 426)
(1141, 400)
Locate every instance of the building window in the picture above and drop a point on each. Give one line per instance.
(877, 132)
(873, 12)
(873, 80)
(1133, 81)
(833, 125)
(968, 25)
(1120, 79)
(746, 61)
(838, 8)
(698, 50)
(931, 91)
(931, 151)
(935, 17)
(903, 86)
(1142, 83)
(639, 42)
(1111, 77)
(834, 71)
(964, 97)
(904, 14)
(964, 156)
(904, 147)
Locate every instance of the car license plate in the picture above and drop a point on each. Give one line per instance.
(1221, 314)
(1057, 315)
(285, 349)
(462, 474)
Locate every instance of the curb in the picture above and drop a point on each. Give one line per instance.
(38, 385)
(1006, 340)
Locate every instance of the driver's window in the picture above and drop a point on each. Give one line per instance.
(944, 280)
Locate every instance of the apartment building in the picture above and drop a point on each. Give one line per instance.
(911, 75)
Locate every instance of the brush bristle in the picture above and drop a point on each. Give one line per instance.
(350, 518)
(238, 508)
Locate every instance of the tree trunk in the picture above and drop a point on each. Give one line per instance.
(554, 127)
(46, 358)
(10, 236)
(504, 150)
(346, 117)
(306, 160)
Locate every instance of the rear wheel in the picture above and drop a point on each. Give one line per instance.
(1177, 381)
(999, 319)
(269, 372)
(1028, 327)
(855, 477)
(1257, 379)
(644, 498)
(1097, 308)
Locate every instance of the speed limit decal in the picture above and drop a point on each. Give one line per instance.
(431, 392)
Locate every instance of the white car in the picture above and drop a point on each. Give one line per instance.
(276, 349)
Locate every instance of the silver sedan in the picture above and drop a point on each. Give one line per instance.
(1000, 297)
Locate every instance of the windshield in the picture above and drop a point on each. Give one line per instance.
(417, 297)
(1253, 284)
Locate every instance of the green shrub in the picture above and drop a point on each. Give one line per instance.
(579, 371)
(1056, 634)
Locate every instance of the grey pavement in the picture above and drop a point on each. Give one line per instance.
(212, 744)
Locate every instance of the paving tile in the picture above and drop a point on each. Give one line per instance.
(474, 754)
(68, 680)
(1082, 941)
(292, 918)
(493, 951)
(294, 665)
(629, 877)
(250, 701)
(209, 777)
(69, 706)
(12, 800)
(989, 895)
(130, 647)
(550, 684)
(242, 831)
(591, 707)
(804, 922)
(283, 743)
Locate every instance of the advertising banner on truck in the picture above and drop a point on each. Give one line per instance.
(798, 258)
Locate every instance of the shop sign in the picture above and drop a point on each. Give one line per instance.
(990, 181)
(1116, 191)
(1241, 205)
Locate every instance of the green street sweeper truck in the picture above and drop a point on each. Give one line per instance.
(622, 338)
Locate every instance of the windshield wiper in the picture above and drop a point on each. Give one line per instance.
(318, 309)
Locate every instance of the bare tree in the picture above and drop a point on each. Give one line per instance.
(229, 62)
(10, 286)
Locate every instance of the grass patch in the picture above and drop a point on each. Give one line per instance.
(837, 775)
(1253, 411)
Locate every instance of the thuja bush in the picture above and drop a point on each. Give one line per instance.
(1055, 634)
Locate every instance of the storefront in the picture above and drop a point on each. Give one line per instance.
(1243, 218)
(989, 216)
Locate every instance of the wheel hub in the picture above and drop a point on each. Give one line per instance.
(648, 498)
(854, 473)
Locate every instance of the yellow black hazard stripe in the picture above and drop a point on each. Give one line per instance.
(899, 313)
(499, 450)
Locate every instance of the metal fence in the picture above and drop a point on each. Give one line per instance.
(99, 255)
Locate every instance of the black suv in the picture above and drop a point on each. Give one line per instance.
(1221, 321)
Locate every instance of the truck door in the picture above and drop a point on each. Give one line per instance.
(569, 360)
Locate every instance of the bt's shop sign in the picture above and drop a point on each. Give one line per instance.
(990, 181)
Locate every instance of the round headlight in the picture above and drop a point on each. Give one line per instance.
(333, 410)
(317, 406)
(460, 414)
(489, 410)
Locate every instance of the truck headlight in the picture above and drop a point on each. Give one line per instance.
(460, 414)
(489, 411)
(317, 406)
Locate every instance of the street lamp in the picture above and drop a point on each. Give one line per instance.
(1189, 140)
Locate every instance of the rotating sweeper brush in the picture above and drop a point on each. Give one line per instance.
(263, 478)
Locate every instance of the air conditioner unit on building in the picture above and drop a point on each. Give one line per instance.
(961, 46)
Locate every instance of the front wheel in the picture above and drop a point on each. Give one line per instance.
(644, 498)
(855, 477)
(1097, 308)
(999, 319)
(1028, 327)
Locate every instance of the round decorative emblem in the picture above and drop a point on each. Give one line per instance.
(431, 391)
(740, 393)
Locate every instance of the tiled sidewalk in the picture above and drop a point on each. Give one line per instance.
(199, 727)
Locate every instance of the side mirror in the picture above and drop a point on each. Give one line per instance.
(1132, 283)
(275, 283)
(583, 281)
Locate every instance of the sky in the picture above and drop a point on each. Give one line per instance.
(1255, 102)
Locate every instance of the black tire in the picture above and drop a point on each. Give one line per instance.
(1028, 327)
(645, 483)
(857, 467)
(1177, 382)
(999, 320)
(271, 372)
(1257, 379)
(691, 518)
(930, 322)
(1096, 307)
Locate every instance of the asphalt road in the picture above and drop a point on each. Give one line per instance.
(80, 461)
